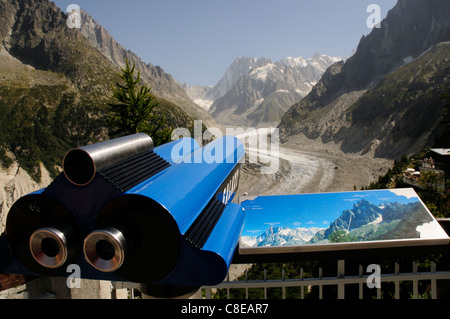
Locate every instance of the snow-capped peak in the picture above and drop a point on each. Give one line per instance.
(294, 62)
(280, 236)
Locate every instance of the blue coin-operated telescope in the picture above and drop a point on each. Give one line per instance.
(125, 210)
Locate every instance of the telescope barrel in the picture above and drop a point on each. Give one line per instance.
(147, 246)
(80, 164)
(42, 234)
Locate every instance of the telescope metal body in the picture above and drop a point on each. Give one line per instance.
(177, 220)
(131, 211)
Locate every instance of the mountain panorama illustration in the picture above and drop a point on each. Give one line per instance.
(343, 218)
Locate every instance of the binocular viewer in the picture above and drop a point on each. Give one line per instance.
(126, 210)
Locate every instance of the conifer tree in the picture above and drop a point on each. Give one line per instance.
(134, 110)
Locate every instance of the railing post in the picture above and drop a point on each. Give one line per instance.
(320, 285)
(265, 288)
(302, 291)
(283, 278)
(415, 282)
(246, 288)
(397, 281)
(433, 281)
(361, 285)
(208, 293)
(379, 292)
(341, 275)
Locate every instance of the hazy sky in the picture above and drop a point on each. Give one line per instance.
(196, 40)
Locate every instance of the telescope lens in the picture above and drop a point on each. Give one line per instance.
(48, 247)
(105, 249)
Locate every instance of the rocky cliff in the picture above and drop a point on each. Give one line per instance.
(386, 99)
(15, 182)
(55, 86)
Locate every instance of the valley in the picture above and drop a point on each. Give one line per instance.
(308, 166)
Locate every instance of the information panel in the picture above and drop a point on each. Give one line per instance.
(338, 221)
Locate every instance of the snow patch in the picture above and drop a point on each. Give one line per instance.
(248, 241)
(408, 60)
(204, 104)
(262, 72)
(295, 62)
(378, 220)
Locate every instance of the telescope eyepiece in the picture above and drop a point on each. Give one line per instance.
(81, 164)
(48, 247)
(79, 167)
(105, 249)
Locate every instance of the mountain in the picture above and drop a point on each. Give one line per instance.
(264, 94)
(55, 86)
(363, 222)
(257, 92)
(240, 67)
(280, 236)
(366, 221)
(163, 85)
(362, 213)
(386, 100)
